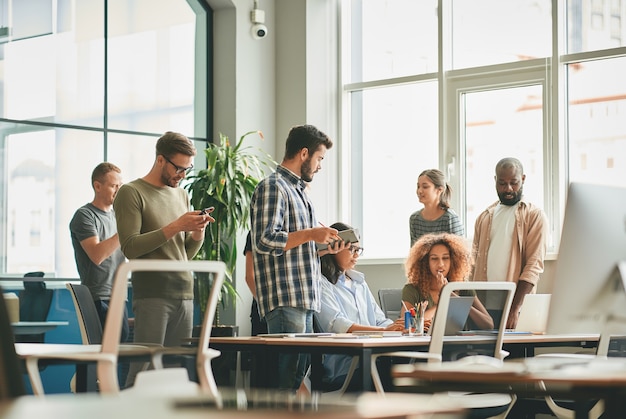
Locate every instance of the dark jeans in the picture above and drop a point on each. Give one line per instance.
(258, 324)
(103, 307)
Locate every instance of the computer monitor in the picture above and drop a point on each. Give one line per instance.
(589, 294)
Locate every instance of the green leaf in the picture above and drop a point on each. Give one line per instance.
(227, 184)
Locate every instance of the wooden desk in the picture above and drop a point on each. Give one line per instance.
(31, 328)
(266, 350)
(603, 379)
(278, 406)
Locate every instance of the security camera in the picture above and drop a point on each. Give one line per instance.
(259, 31)
(257, 17)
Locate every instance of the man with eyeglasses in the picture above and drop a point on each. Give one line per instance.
(154, 221)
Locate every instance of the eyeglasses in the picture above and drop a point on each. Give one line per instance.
(179, 169)
(355, 250)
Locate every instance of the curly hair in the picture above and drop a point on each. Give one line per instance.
(417, 265)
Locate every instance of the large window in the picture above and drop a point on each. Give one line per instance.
(535, 79)
(91, 81)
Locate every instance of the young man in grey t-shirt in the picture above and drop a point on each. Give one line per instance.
(96, 245)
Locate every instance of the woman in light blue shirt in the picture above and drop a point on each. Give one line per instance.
(348, 305)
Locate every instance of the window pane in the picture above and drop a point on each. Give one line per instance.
(597, 111)
(596, 24)
(134, 154)
(59, 77)
(488, 32)
(502, 123)
(395, 130)
(44, 185)
(151, 66)
(392, 38)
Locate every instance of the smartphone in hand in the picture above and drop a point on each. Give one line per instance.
(206, 210)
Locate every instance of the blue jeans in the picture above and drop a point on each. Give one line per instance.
(291, 367)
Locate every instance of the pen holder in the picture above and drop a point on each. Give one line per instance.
(413, 325)
(419, 325)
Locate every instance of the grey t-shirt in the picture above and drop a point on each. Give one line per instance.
(89, 221)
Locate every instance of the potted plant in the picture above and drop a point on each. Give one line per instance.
(227, 184)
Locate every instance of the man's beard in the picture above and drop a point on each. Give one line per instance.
(168, 180)
(517, 196)
(306, 174)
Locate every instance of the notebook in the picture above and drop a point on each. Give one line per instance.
(458, 310)
(534, 314)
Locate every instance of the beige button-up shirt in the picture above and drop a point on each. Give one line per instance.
(527, 251)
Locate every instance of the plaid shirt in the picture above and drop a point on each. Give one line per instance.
(289, 278)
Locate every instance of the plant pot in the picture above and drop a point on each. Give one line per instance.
(218, 331)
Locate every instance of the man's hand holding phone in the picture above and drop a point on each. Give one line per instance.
(205, 213)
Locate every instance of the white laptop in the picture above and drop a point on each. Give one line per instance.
(534, 315)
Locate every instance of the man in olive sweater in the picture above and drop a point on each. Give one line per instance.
(154, 221)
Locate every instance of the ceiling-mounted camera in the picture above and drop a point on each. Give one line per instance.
(257, 17)
(259, 31)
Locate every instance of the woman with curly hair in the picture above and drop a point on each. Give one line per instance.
(434, 260)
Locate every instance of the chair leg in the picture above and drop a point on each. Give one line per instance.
(107, 377)
(207, 382)
(378, 385)
(32, 367)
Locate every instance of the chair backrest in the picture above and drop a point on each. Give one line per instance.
(35, 301)
(11, 380)
(454, 288)
(113, 326)
(86, 313)
(390, 302)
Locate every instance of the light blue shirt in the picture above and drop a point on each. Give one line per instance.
(344, 304)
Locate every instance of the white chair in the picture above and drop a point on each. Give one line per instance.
(602, 352)
(435, 348)
(354, 363)
(106, 354)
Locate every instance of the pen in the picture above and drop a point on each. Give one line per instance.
(405, 306)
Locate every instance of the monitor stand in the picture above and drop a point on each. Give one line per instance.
(614, 324)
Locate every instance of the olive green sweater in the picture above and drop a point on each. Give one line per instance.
(141, 211)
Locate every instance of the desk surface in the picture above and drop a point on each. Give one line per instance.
(609, 372)
(342, 340)
(266, 349)
(28, 328)
(369, 406)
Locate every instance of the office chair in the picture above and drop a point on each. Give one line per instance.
(11, 381)
(35, 301)
(486, 405)
(390, 302)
